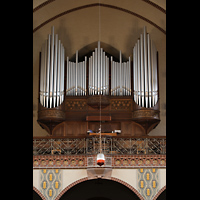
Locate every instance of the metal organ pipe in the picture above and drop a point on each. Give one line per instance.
(155, 74)
(76, 73)
(101, 72)
(145, 83)
(142, 70)
(107, 76)
(149, 69)
(120, 73)
(58, 76)
(50, 74)
(55, 71)
(99, 68)
(134, 77)
(63, 74)
(42, 76)
(138, 70)
(85, 67)
(45, 71)
(51, 69)
(93, 74)
(129, 76)
(145, 68)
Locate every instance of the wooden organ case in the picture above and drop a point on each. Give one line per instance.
(75, 96)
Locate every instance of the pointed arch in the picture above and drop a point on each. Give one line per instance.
(129, 186)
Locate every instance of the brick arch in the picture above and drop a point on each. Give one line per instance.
(39, 193)
(112, 178)
(128, 186)
(70, 186)
(159, 192)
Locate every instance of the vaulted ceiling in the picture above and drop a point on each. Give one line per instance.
(121, 23)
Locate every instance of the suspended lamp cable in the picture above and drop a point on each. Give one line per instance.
(100, 94)
(100, 155)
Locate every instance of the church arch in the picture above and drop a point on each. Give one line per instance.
(112, 188)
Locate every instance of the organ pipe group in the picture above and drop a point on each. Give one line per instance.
(98, 83)
(145, 81)
(120, 77)
(76, 77)
(143, 67)
(52, 72)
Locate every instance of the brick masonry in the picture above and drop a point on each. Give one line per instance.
(80, 162)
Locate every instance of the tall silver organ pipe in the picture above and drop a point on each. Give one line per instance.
(52, 72)
(76, 77)
(98, 83)
(120, 77)
(145, 83)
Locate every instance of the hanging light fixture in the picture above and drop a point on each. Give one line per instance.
(100, 156)
(100, 159)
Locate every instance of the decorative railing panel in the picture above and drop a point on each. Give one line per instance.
(90, 146)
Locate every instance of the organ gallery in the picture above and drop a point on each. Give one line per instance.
(76, 94)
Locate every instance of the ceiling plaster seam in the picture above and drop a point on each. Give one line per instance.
(42, 5)
(103, 5)
(155, 5)
(146, 1)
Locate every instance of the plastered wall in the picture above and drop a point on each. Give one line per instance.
(147, 181)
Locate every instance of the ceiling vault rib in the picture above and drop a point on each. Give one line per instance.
(42, 5)
(146, 1)
(155, 5)
(103, 5)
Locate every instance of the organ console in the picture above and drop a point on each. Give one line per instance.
(72, 92)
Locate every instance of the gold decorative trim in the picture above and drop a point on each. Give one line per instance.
(46, 114)
(120, 104)
(154, 114)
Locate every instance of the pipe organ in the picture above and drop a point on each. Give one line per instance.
(145, 81)
(69, 92)
(98, 72)
(52, 72)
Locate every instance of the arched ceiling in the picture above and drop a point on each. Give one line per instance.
(77, 26)
(77, 22)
